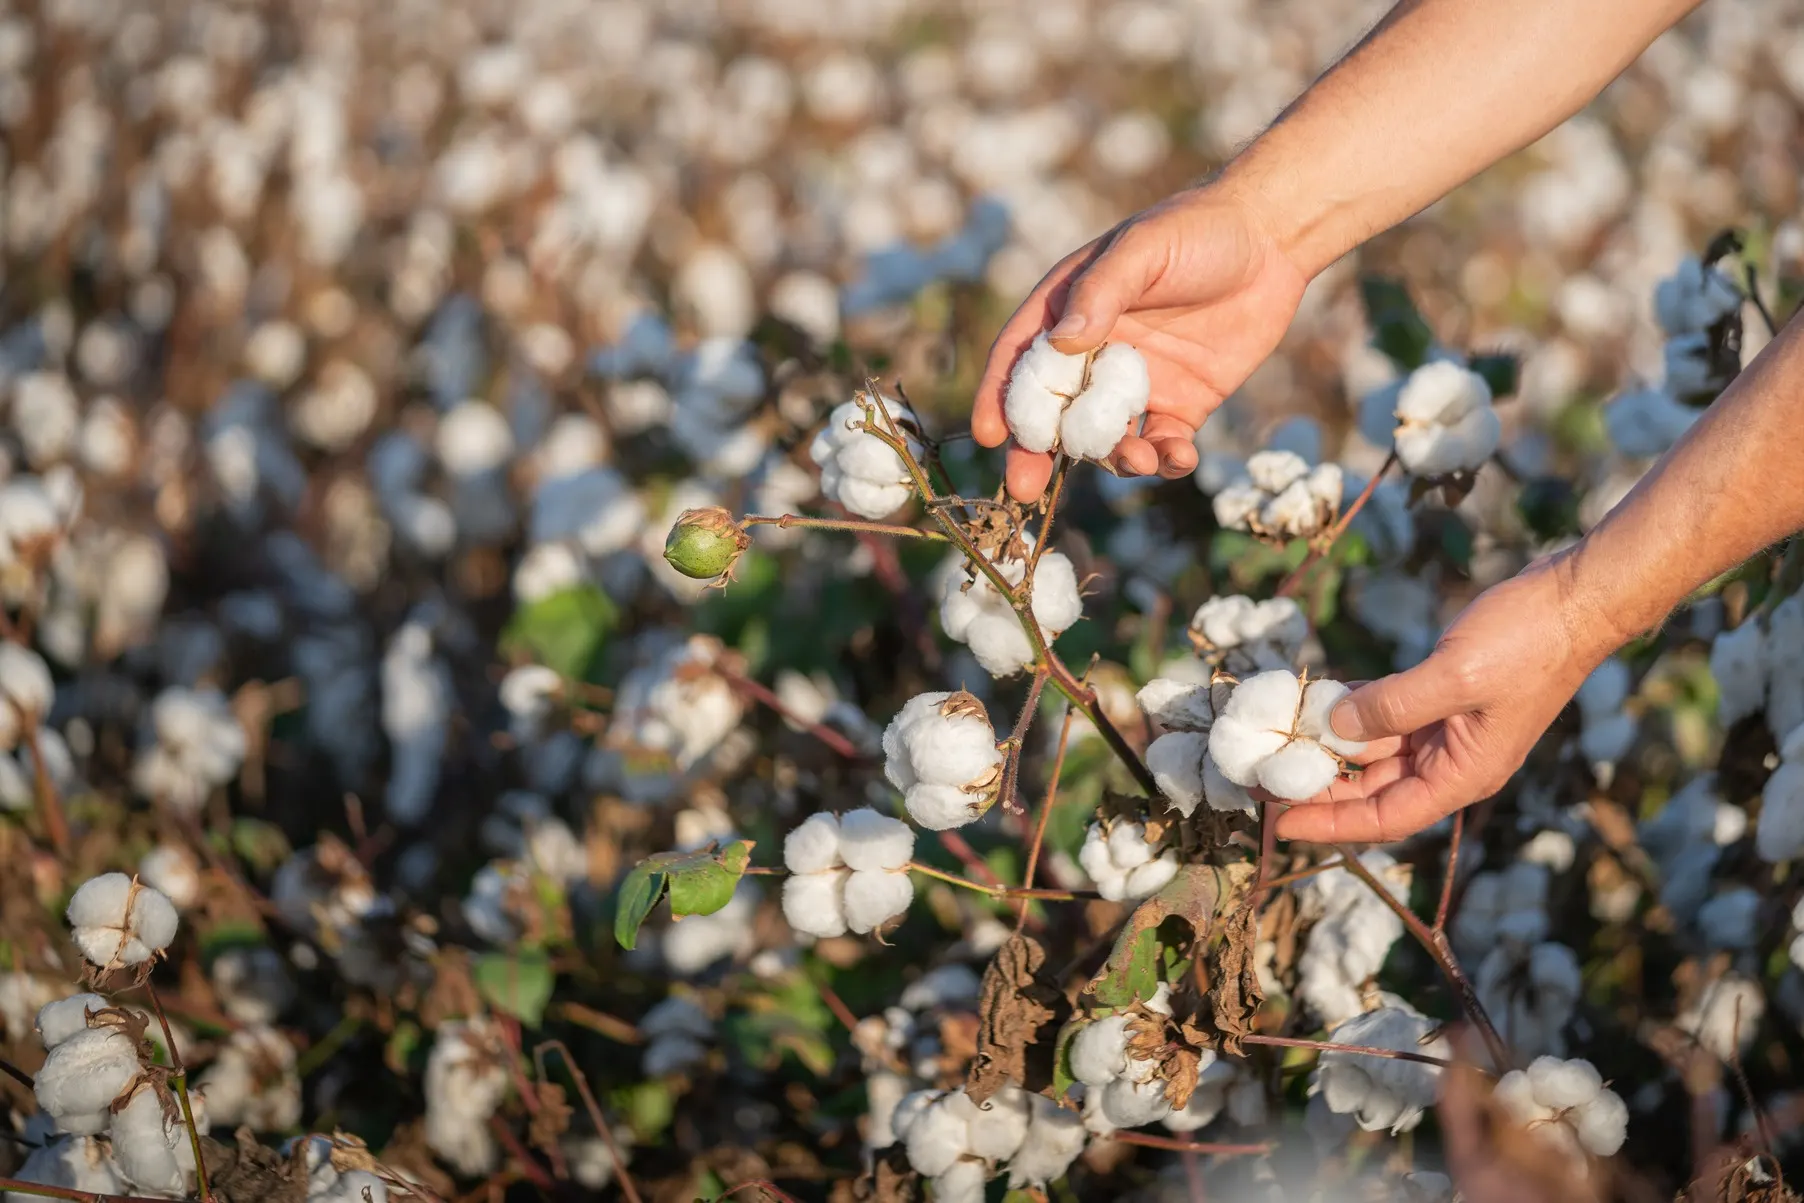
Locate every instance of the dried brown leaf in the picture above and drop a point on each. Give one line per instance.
(551, 1119)
(1020, 1010)
(1237, 995)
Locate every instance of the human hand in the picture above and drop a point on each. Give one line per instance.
(1197, 283)
(1451, 730)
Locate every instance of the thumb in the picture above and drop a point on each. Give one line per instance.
(1403, 702)
(1103, 291)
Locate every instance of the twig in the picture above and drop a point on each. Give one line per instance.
(600, 1022)
(1061, 465)
(1084, 698)
(1046, 804)
(1440, 910)
(1210, 1148)
(50, 806)
(16, 1074)
(1268, 850)
(1193, 1178)
(757, 691)
(792, 521)
(180, 1077)
(19, 1186)
(764, 1184)
(835, 1004)
(1435, 944)
(1323, 546)
(967, 856)
(530, 1170)
(1364, 1050)
(595, 1116)
(1302, 874)
(1017, 740)
(999, 891)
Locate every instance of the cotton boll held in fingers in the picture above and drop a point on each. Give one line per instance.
(1117, 394)
(1043, 382)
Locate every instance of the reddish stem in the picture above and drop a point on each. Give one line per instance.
(1017, 740)
(596, 1118)
(1211, 1148)
(967, 856)
(758, 693)
(1440, 911)
(764, 1184)
(1364, 1050)
(1046, 804)
(1294, 581)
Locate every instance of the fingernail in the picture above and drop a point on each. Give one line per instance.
(1344, 718)
(1070, 326)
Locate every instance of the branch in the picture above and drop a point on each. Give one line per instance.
(1323, 546)
(19, 1186)
(1440, 911)
(758, 692)
(1084, 698)
(595, 1116)
(998, 891)
(791, 521)
(1435, 943)
(1363, 1050)
(1046, 803)
(181, 1092)
(1011, 763)
(50, 806)
(1146, 1140)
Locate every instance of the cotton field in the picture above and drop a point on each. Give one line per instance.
(517, 682)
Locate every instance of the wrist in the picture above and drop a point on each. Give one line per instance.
(1602, 603)
(1304, 219)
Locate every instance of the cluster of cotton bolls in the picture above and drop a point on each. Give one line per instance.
(977, 614)
(1122, 863)
(941, 752)
(1079, 404)
(1644, 422)
(1567, 1109)
(951, 1139)
(847, 873)
(1382, 1092)
(1275, 732)
(1279, 496)
(1179, 759)
(1351, 935)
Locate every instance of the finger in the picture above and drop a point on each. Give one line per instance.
(1174, 441)
(1400, 809)
(1407, 701)
(988, 425)
(1106, 289)
(1027, 473)
(1382, 749)
(1134, 456)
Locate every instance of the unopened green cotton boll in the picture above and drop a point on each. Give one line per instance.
(705, 543)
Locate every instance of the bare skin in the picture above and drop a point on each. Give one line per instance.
(1206, 282)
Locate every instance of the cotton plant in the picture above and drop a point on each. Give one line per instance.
(1079, 404)
(1606, 729)
(847, 873)
(1445, 421)
(1179, 757)
(859, 470)
(677, 709)
(942, 753)
(1274, 732)
(1503, 906)
(1351, 936)
(192, 745)
(1382, 1093)
(1566, 1108)
(1225, 1086)
(974, 612)
(253, 1081)
(1279, 496)
(1122, 863)
(1725, 1016)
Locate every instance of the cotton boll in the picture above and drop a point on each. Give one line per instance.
(1057, 604)
(1725, 1018)
(813, 847)
(466, 1080)
(86, 1071)
(937, 1136)
(152, 1146)
(472, 439)
(872, 899)
(998, 1128)
(1298, 771)
(1099, 1051)
(1694, 298)
(82, 1164)
(872, 842)
(1053, 1141)
(1645, 422)
(1117, 394)
(1315, 719)
(1175, 760)
(253, 1081)
(860, 471)
(1043, 382)
(1129, 1104)
(117, 921)
(940, 750)
(1179, 705)
(1779, 835)
(1445, 420)
(170, 868)
(58, 1021)
(1563, 1084)
(813, 903)
(253, 983)
(1150, 878)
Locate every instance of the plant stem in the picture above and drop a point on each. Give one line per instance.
(792, 521)
(600, 1022)
(1440, 910)
(330, 1043)
(758, 692)
(1084, 698)
(17, 1186)
(1061, 466)
(16, 1074)
(180, 1076)
(1324, 1046)
(1147, 1140)
(998, 891)
(1294, 581)
(1011, 764)
(50, 806)
(1046, 804)
(1435, 944)
(595, 1116)
(1301, 874)
(1766, 315)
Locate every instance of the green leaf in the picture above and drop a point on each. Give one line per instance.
(647, 1108)
(515, 984)
(1132, 972)
(700, 883)
(1501, 371)
(1148, 942)
(564, 630)
(1062, 1077)
(1398, 328)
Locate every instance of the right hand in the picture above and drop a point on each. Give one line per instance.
(1197, 283)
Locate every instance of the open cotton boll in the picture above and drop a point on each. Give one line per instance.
(1099, 1051)
(1275, 732)
(872, 842)
(1053, 1141)
(1042, 383)
(1738, 662)
(859, 470)
(1725, 1018)
(118, 921)
(253, 1081)
(1445, 422)
(814, 903)
(1181, 705)
(80, 1164)
(24, 684)
(1645, 422)
(1694, 298)
(466, 1080)
(872, 899)
(938, 1133)
(813, 847)
(170, 868)
(1243, 636)
(66, 1017)
(1130, 1104)
(86, 1071)
(998, 1127)
(940, 751)
(1382, 1092)
(1117, 393)
(151, 1143)
(962, 1183)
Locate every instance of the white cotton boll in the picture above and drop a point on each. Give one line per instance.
(170, 868)
(1099, 1051)
(1602, 1124)
(1130, 1104)
(1315, 719)
(1688, 371)
(1298, 771)
(1254, 724)
(1779, 834)
(871, 842)
(253, 1082)
(1093, 857)
(152, 1146)
(1043, 381)
(1694, 298)
(813, 903)
(858, 470)
(81, 1164)
(1382, 1093)
(86, 1071)
(253, 983)
(937, 1136)
(941, 807)
(1128, 848)
(1236, 506)
(911, 1108)
(999, 1127)
(1272, 472)
(872, 899)
(1445, 420)
(1054, 1139)
(1117, 393)
(473, 438)
(1726, 1018)
(1738, 661)
(1149, 879)
(25, 681)
(116, 921)
(1178, 705)
(1644, 423)
(1563, 1084)
(1175, 760)
(1057, 604)
(962, 1183)
(813, 847)
(59, 1020)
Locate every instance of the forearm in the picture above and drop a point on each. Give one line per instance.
(1732, 486)
(1439, 91)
